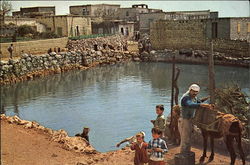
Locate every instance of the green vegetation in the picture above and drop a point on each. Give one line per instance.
(25, 30)
(89, 36)
(27, 33)
(232, 100)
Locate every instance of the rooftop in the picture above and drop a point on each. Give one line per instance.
(103, 4)
(38, 7)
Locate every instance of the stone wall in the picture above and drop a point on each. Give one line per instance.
(34, 47)
(193, 57)
(30, 66)
(192, 34)
(177, 34)
(243, 23)
(146, 18)
(234, 48)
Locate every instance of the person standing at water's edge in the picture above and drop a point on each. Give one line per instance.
(157, 148)
(160, 121)
(189, 104)
(140, 147)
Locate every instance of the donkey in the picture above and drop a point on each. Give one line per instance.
(234, 132)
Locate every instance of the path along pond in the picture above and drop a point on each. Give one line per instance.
(115, 101)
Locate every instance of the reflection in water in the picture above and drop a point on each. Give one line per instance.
(114, 101)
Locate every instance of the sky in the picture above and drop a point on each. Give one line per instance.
(240, 8)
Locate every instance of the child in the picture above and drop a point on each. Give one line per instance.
(84, 134)
(157, 148)
(160, 121)
(130, 140)
(140, 148)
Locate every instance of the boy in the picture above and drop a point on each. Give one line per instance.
(157, 148)
(84, 134)
(160, 121)
(140, 147)
(130, 140)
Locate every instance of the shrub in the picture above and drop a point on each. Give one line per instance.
(24, 30)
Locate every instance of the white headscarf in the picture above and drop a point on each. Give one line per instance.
(194, 87)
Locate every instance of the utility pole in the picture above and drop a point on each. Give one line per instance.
(211, 74)
(172, 90)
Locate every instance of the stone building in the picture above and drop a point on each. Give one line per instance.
(113, 27)
(147, 18)
(33, 12)
(133, 13)
(235, 28)
(230, 35)
(126, 28)
(67, 25)
(188, 15)
(95, 10)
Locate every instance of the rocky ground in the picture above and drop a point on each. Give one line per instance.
(28, 143)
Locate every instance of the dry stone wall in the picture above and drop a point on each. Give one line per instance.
(82, 54)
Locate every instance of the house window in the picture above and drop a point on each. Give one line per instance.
(127, 13)
(84, 11)
(248, 27)
(238, 27)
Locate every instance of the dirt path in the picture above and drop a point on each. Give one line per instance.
(21, 146)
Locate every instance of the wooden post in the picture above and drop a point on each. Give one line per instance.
(211, 75)
(172, 90)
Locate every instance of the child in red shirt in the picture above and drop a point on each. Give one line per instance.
(140, 148)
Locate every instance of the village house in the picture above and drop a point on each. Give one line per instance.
(147, 18)
(113, 27)
(234, 28)
(67, 25)
(33, 12)
(133, 13)
(230, 35)
(95, 10)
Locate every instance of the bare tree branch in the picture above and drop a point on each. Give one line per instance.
(5, 7)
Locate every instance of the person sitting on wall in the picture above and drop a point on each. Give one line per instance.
(84, 134)
(49, 51)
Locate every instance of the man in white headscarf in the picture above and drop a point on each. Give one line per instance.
(189, 104)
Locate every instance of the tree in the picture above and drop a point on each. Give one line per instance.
(23, 30)
(5, 8)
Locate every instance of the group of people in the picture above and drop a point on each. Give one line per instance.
(153, 151)
(144, 45)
